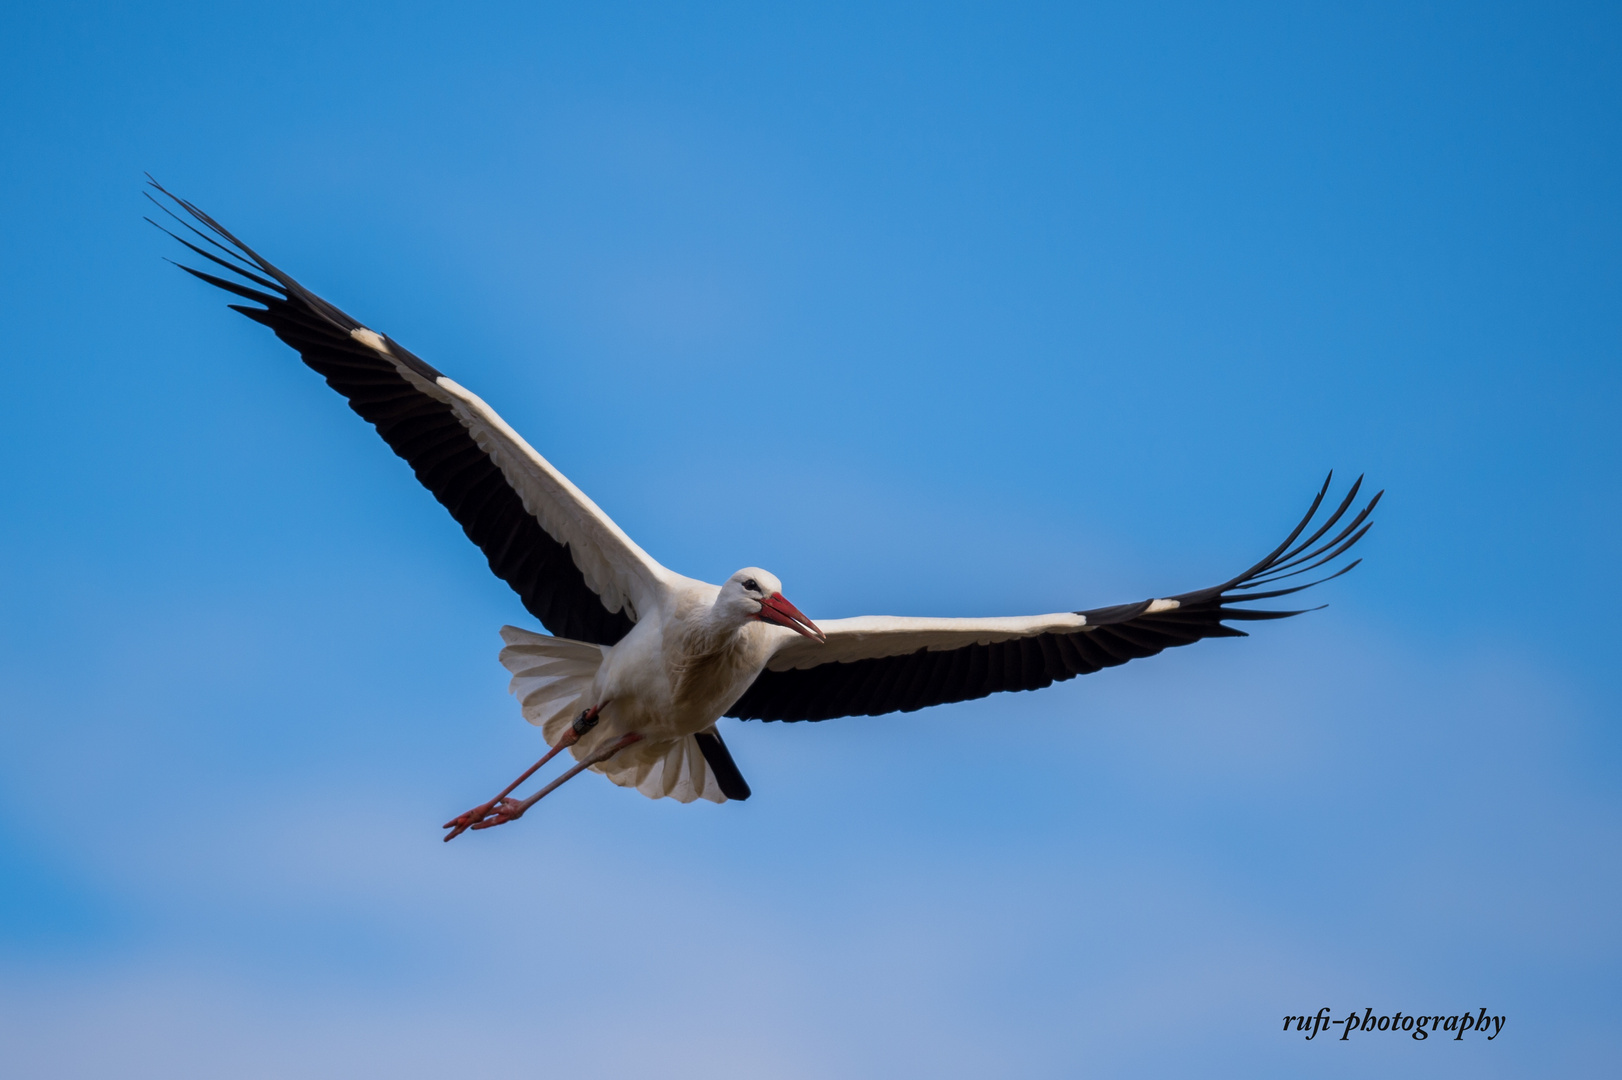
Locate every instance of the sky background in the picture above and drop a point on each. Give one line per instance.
(930, 309)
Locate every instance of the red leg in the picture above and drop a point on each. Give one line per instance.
(512, 809)
(584, 723)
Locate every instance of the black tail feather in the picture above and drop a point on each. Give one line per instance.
(733, 785)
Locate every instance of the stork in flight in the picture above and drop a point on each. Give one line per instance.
(640, 661)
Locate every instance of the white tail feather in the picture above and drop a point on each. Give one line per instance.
(669, 768)
(549, 676)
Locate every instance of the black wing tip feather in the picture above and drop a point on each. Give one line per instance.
(1292, 558)
(1212, 607)
(223, 239)
(284, 289)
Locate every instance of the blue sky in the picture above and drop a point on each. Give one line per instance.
(930, 309)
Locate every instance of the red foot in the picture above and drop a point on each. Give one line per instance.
(501, 809)
(458, 825)
(506, 810)
(461, 823)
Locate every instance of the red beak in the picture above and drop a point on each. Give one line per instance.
(775, 609)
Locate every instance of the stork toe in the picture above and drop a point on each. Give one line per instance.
(506, 810)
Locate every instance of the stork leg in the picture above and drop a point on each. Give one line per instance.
(511, 809)
(583, 723)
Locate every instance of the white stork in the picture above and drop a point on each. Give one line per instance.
(641, 662)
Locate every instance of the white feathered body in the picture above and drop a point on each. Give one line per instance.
(670, 678)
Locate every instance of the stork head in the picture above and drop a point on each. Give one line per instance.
(754, 593)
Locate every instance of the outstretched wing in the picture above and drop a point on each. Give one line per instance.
(878, 664)
(572, 567)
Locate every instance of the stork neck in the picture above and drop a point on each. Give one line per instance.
(720, 621)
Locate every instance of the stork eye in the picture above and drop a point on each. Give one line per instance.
(752, 585)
